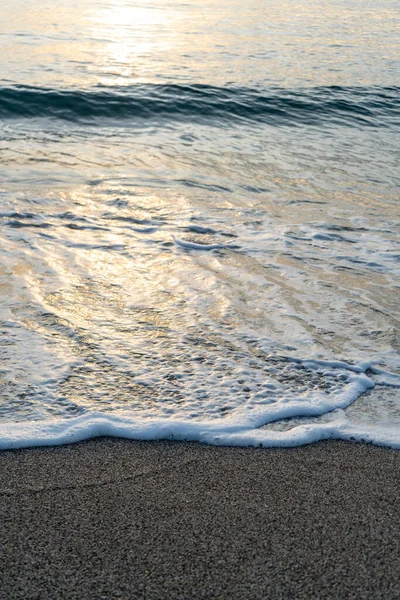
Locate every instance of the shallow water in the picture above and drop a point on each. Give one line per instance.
(199, 221)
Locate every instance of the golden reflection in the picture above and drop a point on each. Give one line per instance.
(279, 42)
(124, 15)
(133, 31)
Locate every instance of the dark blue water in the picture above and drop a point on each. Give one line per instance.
(218, 106)
(199, 221)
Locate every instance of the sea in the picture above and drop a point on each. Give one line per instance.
(200, 221)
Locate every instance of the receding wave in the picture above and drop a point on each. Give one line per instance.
(374, 107)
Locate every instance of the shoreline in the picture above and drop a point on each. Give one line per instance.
(114, 518)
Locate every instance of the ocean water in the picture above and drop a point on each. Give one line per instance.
(199, 221)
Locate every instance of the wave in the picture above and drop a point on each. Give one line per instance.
(243, 427)
(56, 432)
(351, 106)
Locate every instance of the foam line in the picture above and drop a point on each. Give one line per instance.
(195, 246)
(242, 427)
(91, 425)
(333, 364)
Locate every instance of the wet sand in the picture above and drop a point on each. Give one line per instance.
(113, 518)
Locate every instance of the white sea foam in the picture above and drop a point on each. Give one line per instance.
(141, 340)
(195, 246)
(243, 427)
(228, 433)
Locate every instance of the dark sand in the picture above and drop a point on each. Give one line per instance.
(119, 519)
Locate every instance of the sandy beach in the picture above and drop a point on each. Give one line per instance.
(111, 518)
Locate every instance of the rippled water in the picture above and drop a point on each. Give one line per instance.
(199, 221)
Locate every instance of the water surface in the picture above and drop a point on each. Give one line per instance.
(199, 221)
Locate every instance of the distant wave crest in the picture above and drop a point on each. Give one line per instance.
(351, 106)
